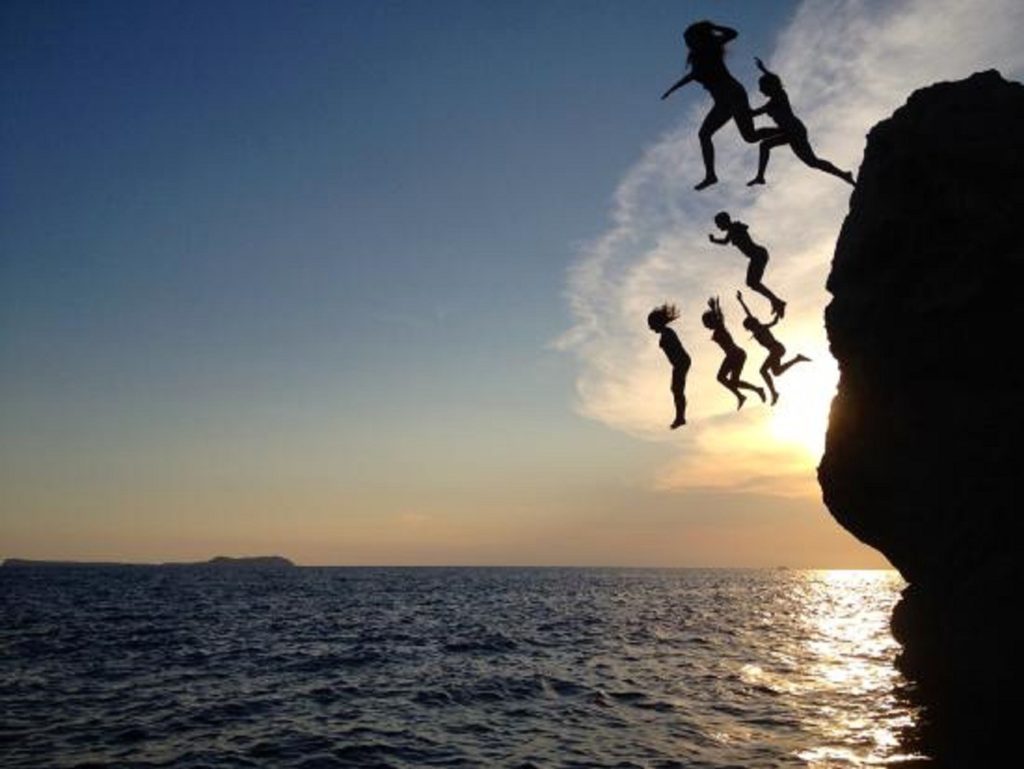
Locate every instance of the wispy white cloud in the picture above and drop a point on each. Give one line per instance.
(846, 64)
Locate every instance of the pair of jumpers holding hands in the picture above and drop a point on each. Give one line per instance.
(729, 373)
(706, 58)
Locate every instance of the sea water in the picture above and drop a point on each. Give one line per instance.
(449, 667)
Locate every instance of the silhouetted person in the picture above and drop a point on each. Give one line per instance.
(658, 321)
(794, 132)
(773, 363)
(737, 234)
(731, 368)
(706, 58)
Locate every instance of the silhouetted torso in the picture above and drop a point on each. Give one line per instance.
(723, 339)
(779, 110)
(708, 68)
(673, 348)
(739, 236)
(764, 337)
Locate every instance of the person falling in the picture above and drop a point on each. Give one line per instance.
(658, 321)
(706, 58)
(793, 131)
(737, 234)
(773, 363)
(735, 358)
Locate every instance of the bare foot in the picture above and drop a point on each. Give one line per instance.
(755, 180)
(779, 309)
(678, 423)
(760, 391)
(740, 400)
(775, 398)
(708, 181)
(803, 358)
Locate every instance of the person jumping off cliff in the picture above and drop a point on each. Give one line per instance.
(706, 58)
(737, 234)
(794, 132)
(735, 358)
(658, 321)
(773, 363)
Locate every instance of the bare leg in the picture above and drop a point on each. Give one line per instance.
(762, 162)
(780, 368)
(802, 149)
(716, 118)
(679, 396)
(744, 118)
(729, 376)
(755, 271)
(778, 306)
(766, 367)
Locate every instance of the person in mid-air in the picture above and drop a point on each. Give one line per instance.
(736, 233)
(658, 321)
(706, 44)
(735, 358)
(793, 131)
(773, 363)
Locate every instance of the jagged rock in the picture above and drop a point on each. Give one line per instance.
(923, 455)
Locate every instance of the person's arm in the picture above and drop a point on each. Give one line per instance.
(739, 295)
(774, 320)
(677, 85)
(720, 241)
(762, 67)
(761, 110)
(725, 34)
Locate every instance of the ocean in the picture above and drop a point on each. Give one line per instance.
(449, 667)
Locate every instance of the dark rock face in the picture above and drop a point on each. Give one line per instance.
(923, 458)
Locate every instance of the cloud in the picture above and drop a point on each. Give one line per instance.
(846, 65)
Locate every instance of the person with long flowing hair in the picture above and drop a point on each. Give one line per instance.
(658, 321)
(706, 58)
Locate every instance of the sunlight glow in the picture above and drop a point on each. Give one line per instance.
(801, 416)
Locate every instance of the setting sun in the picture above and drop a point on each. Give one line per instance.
(801, 416)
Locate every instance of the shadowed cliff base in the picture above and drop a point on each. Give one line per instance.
(922, 454)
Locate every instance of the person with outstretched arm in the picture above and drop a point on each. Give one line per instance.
(773, 363)
(706, 58)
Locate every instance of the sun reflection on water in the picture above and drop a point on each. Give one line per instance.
(845, 635)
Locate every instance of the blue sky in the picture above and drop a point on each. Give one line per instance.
(291, 277)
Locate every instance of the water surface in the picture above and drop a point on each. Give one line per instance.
(338, 667)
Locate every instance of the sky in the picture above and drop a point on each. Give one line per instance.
(366, 282)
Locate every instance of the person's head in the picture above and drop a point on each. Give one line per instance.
(660, 317)
(770, 84)
(700, 38)
(710, 319)
(750, 323)
(723, 220)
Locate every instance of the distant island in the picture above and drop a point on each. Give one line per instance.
(218, 562)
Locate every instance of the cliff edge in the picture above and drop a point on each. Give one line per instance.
(922, 458)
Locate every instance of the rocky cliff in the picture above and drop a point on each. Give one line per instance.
(923, 456)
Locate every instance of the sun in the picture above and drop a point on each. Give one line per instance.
(801, 415)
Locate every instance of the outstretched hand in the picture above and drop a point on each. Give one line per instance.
(739, 295)
(711, 237)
